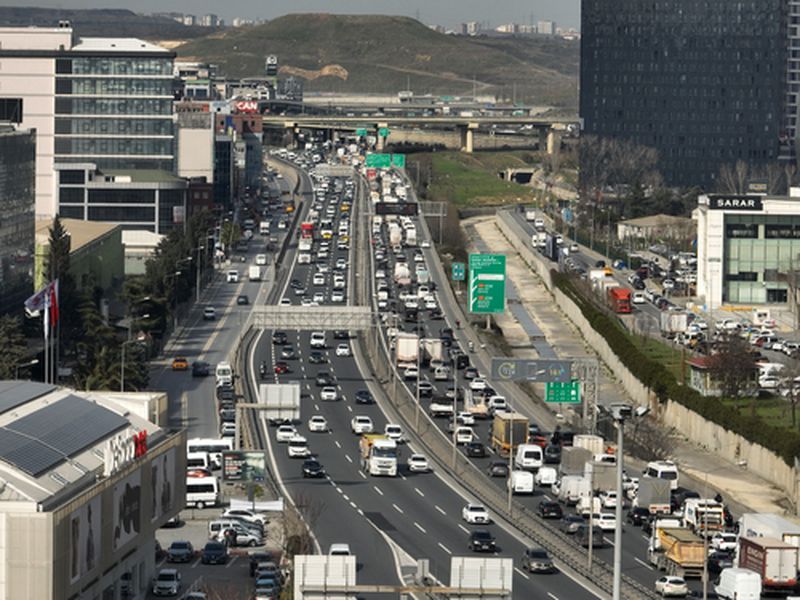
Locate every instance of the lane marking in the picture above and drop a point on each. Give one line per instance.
(418, 526)
(521, 572)
(419, 492)
(347, 456)
(338, 445)
(362, 475)
(230, 562)
(464, 529)
(353, 504)
(397, 508)
(403, 477)
(377, 489)
(196, 562)
(437, 507)
(350, 408)
(641, 562)
(443, 547)
(553, 596)
(346, 497)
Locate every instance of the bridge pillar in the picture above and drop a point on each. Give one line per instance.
(468, 137)
(544, 133)
(553, 141)
(380, 144)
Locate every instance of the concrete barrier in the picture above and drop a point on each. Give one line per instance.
(700, 431)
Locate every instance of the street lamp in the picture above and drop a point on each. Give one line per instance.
(197, 272)
(174, 297)
(30, 363)
(125, 343)
(620, 412)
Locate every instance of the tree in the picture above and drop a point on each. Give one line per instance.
(732, 367)
(789, 388)
(98, 350)
(57, 266)
(13, 349)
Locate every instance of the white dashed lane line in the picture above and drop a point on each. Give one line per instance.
(338, 445)
(397, 508)
(443, 547)
(350, 460)
(418, 526)
(419, 492)
(464, 529)
(521, 572)
(377, 489)
(440, 509)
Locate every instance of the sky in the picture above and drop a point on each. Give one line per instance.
(442, 12)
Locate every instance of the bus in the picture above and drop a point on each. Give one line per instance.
(202, 492)
(214, 447)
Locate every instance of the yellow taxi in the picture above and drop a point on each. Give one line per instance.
(179, 363)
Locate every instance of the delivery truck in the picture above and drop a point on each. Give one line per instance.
(281, 402)
(573, 460)
(254, 273)
(676, 550)
(521, 482)
(378, 455)
(407, 349)
(571, 488)
(654, 495)
(602, 475)
(773, 559)
(673, 323)
(509, 430)
(704, 516)
(594, 443)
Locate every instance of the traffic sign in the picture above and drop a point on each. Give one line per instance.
(524, 369)
(564, 393)
(384, 132)
(379, 161)
(361, 132)
(459, 271)
(487, 283)
(399, 161)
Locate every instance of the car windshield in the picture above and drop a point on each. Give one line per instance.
(482, 535)
(538, 554)
(180, 545)
(167, 577)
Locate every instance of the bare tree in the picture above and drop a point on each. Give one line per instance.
(732, 367)
(298, 521)
(789, 388)
(733, 178)
(649, 440)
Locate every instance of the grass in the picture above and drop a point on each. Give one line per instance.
(666, 354)
(773, 410)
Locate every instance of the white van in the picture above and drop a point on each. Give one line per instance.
(529, 457)
(546, 476)
(214, 447)
(202, 492)
(739, 584)
(224, 373)
(197, 460)
(521, 482)
(663, 469)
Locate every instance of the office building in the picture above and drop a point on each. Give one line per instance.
(107, 101)
(224, 170)
(17, 217)
(748, 248)
(546, 28)
(87, 482)
(701, 82)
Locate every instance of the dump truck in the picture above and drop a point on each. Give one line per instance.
(439, 409)
(573, 460)
(654, 495)
(773, 559)
(281, 402)
(509, 430)
(676, 550)
(407, 349)
(378, 455)
(475, 405)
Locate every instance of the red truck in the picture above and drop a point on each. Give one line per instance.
(307, 230)
(619, 299)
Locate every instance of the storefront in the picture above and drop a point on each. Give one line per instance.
(747, 248)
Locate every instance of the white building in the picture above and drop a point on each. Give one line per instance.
(546, 27)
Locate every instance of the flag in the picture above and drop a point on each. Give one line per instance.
(54, 302)
(35, 303)
(46, 320)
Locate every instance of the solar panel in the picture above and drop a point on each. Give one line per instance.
(41, 440)
(16, 393)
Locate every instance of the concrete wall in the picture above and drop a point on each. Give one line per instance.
(695, 428)
(452, 139)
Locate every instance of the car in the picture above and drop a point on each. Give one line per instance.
(242, 299)
(261, 259)
(481, 540)
(179, 363)
(267, 587)
(606, 521)
(724, 542)
(339, 549)
(285, 432)
(318, 424)
(209, 313)
(279, 338)
(361, 424)
(549, 509)
(337, 296)
(608, 499)
(288, 352)
(475, 513)
(232, 276)
(470, 373)
(281, 367)
(417, 463)
(318, 279)
(167, 583)
(315, 357)
(569, 524)
(426, 388)
(318, 339)
(394, 432)
(464, 435)
(537, 560)
(552, 454)
(717, 561)
(214, 553)
(498, 468)
(670, 585)
(328, 393)
(341, 334)
(318, 297)
(301, 291)
(411, 373)
(466, 418)
(637, 516)
(343, 350)
(180, 551)
(258, 557)
(200, 368)
(478, 384)
(323, 378)
(250, 517)
(475, 449)
(313, 468)
(268, 568)
(298, 447)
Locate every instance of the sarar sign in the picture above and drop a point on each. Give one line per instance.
(734, 202)
(123, 449)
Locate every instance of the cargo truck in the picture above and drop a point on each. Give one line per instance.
(254, 273)
(304, 245)
(411, 237)
(676, 550)
(573, 460)
(654, 495)
(773, 559)
(619, 299)
(572, 488)
(673, 323)
(441, 409)
(539, 239)
(509, 430)
(395, 234)
(704, 516)
(770, 525)
(433, 352)
(378, 455)
(402, 275)
(407, 349)
(281, 402)
(602, 475)
(594, 443)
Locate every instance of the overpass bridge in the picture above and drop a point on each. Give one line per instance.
(549, 129)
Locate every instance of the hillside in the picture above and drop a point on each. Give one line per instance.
(100, 22)
(379, 54)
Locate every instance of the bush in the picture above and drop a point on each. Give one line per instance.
(784, 442)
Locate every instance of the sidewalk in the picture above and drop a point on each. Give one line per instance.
(742, 489)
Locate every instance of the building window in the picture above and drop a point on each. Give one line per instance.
(11, 109)
(74, 176)
(63, 65)
(741, 230)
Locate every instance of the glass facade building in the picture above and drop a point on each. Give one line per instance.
(17, 217)
(701, 81)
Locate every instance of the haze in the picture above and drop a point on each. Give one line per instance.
(442, 12)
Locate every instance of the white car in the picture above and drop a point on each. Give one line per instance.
(417, 463)
(411, 373)
(285, 433)
(475, 513)
(261, 259)
(478, 384)
(393, 432)
(466, 418)
(343, 350)
(318, 279)
(608, 499)
(318, 423)
(425, 244)
(339, 283)
(319, 297)
(167, 583)
(464, 435)
(246, 515)
(361, 424)
(672, 586)
(337, 296)
(328, 393)
(318, 339)
(298, 447)
(724, 542)
(232, 276)
(638, 298)
(606, 521)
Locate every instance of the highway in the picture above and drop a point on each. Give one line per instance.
(420, 512)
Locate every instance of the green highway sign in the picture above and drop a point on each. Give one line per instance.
(361, 132)
(384, 132)
(459, 271)
(379, 161)
(399, 161)
(487, 283)
(564, 393)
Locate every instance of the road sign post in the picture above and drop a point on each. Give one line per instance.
(458, 274)
(547, 370)
(563, 392)
(487, 284)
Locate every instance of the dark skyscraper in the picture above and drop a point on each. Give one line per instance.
(704, 82)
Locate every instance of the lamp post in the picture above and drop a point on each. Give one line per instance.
(30, 363)
(198, 265)
(419, 365)
(174, 297)
(455, 408)
(125, 343)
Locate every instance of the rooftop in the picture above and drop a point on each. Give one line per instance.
(659, 220)
(98, 44)
(81, 232)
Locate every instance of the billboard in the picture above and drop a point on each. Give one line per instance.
(84, 539)
(241, 465)
(162, 484)
(409, 209)
(127, 516)
(246, 106)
